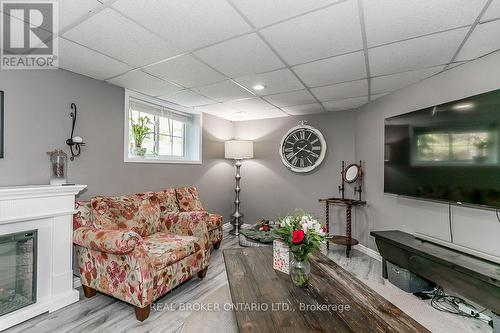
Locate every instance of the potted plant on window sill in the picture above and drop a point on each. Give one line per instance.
(140, 131)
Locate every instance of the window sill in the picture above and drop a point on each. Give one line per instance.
(159, 161)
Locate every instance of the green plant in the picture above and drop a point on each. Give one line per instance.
(140, 130)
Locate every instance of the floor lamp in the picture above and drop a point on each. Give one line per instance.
(237, 150)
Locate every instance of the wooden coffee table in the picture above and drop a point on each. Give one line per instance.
(265, 300)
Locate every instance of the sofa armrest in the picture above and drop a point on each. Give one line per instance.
(189, 224)
(109, 241)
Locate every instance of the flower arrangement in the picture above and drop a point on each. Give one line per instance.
(303, 234)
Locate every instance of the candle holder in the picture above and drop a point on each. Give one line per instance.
(75, 143)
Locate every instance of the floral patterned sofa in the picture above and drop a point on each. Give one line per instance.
(138, 247)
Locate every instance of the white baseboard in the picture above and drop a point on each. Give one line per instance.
(371, 253)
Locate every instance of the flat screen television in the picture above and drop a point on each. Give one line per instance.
(449, 152)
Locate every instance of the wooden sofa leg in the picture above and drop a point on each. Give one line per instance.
(217, 245)
(89, 292)
(203, 273)
(142, 313)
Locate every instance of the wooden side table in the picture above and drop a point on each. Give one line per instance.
(346, 240)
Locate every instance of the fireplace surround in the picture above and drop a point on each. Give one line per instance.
(17, 271)
(35, 251)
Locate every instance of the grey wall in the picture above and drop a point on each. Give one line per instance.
(37, 120)
(477, 229)
(270, 190)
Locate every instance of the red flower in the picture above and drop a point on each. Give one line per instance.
(324, 229)
(298, 236)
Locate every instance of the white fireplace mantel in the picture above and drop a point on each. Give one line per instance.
(49, 210)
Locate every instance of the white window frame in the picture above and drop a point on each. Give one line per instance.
(194, 133)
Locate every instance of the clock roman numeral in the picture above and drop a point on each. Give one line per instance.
(289, 149)
(314, 155)
(314, 141)
(289, 155)
(301, 162)
(316, 148)
(295, 137)
(302, 135)
(294, 161)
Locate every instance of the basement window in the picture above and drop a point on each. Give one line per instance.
(157, 131)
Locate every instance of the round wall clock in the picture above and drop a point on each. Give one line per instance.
(303, 148)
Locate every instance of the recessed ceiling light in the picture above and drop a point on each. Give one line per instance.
(259, 87)
(463, 106)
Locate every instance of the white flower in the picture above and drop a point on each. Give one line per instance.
(305, 226)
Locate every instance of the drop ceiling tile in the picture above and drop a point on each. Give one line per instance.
(187, 98)
(110, 33)
(394, 20)
(189, 24)
(267, 114)
(70, 11)
(483, 40)
(343, 68)
(264, 12)
(216, 109)
(241, 56)
(304, 109)
(345, 104)
(342, 90)
(242, 116)
(377, 96)
(235, 116)
(144, 83)
(422, 52)
(250, 105)
(224, 91)
(299, 97)
(186, 71)
(274, 82)
(397, 81)
(493, 11)
(81, 60)
(332, 31)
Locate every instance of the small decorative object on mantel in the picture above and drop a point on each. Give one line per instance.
(58, 167)
(302, 148)
(303, 234)
(74, 142)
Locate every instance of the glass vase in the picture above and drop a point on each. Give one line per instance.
(300, 269)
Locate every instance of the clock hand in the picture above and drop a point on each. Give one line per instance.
(298, 151)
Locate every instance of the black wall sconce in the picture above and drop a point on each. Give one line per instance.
(74, 142)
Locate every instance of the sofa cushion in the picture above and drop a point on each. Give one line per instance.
(166, 248)
(214, 221)
(187, 199)
(137, 212)
(168, 201)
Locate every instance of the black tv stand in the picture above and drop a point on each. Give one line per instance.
(469, 276)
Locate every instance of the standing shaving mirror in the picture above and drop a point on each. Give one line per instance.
(352, 173)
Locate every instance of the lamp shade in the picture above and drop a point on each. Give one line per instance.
(238, 149)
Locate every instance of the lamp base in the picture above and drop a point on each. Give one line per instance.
(237, 222)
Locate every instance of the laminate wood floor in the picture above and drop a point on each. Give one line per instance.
(106, 314)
